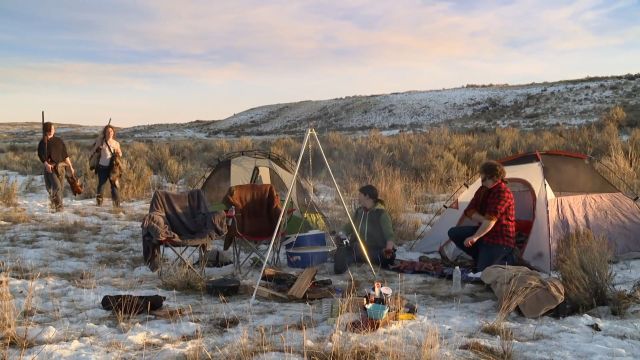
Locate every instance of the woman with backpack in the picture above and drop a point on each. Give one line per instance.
(109, 150)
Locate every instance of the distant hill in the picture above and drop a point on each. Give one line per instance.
(536, 105)
(533, 105)
(27, 132)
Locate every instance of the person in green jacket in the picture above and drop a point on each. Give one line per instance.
(374, 226)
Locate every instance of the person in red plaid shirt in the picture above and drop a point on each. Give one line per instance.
(492, 241)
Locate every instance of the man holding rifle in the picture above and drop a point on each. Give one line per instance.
(53, 154)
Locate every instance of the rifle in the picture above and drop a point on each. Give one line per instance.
(94, 157)
(44, 139)
(101, 136)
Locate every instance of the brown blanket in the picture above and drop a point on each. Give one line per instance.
(257, 209)
(180, 219)
(543, 294)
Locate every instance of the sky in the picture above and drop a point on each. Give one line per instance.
(161, 61)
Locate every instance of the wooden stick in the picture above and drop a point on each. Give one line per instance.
(268, 293)
(302, 284)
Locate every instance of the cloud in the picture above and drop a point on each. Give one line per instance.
(282, 33)
(249, 53)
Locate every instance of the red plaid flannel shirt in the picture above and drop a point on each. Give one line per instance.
(496, 203)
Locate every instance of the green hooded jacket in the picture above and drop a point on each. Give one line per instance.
(374, 226)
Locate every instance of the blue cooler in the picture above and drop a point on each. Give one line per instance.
(304, 257)
(311, 238)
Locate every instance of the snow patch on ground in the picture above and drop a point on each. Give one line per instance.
(59, 277)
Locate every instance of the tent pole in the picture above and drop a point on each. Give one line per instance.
(629, 187)
(286, 201)
(335, 183)
(440, 210)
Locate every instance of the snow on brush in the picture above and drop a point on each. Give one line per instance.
(568, 103)
(59, 275)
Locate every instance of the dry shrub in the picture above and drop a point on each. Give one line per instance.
(86, 280)
(21, 160)
(343, 348)
(244, 143)
(181, 278)
(635, 290)
(221, 147)
(198, 351)
(248, 347)
(172, 170)
(68, 229)
(505, 334)
(616, 116)
(487, 352)
(136, 179)
(435, 161)
(511, 298)
(8, 312)
(621, 301)
(193, 174)
(14, 216)
(125, 313)
(29, 186)
(288, 148)
(621, 165)
(582, 260)
(363, 352)
(11, 318)
(8, 191)
(431, 345)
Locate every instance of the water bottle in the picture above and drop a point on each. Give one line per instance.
(327, 304)
(335, 305)
(456, 286)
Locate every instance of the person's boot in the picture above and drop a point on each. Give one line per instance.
(340, 260)
(58, 207)
(116, 203)
(99, 200)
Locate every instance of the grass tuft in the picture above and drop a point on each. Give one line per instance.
(8, 191)
(181, 278)
(582, 260)
(15, 215)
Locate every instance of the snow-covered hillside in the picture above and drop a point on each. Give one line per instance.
(526, 106)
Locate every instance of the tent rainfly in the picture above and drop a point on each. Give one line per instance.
(555, 194)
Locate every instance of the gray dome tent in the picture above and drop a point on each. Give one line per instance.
(261, 167)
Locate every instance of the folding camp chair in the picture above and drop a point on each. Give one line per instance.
(180, 230)
(253, 211)
(189, 254)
